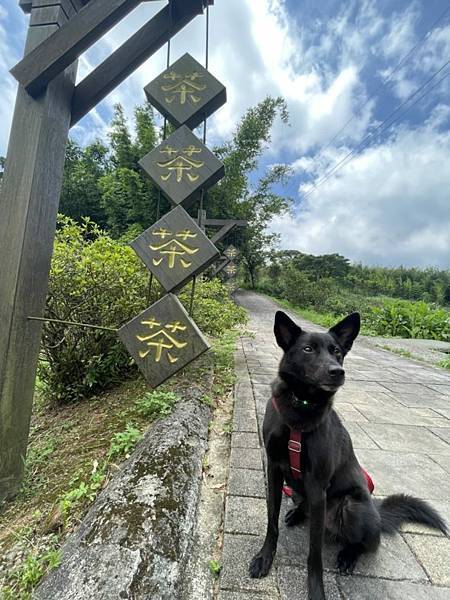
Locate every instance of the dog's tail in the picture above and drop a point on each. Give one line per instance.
(400, 508)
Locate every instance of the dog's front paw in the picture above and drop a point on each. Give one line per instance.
(346, 561)
(261, 563)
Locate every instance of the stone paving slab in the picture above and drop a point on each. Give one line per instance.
(444, 412)
(293, 584)
(397, 412)
(434, 554)
(405, 438)
(442, 432)
(415, 474)
(394, 560)
(238, 550)
(246, 482)
(442, 461)
(362, 588)
(245, 421)
(422, 417)
(442, 389)
(226, 595)
(360, 438)
(243, 439)
(435, 403)
(248, 458)
(245, 515)
(350, 413)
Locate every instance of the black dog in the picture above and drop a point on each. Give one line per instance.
(332, 488)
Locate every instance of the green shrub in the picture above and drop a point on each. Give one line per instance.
(100, 281)
(213, 311)
(400, 318)
(93, 280)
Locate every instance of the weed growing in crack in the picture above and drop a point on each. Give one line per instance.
(156, 404)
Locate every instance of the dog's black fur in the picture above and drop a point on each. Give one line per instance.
(332, 489)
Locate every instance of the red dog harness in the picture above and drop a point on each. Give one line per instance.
(295, 457)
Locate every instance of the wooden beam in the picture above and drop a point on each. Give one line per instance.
(226, 227)
(29, 201)
(222, 222)
(25, 5)
(224, 262)
(56, 53)
(117, 67)
(182, 8)
(223, 232)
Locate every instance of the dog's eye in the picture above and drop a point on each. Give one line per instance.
(308, 349)
(337, 351)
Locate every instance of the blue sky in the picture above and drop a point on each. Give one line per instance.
(390, 204)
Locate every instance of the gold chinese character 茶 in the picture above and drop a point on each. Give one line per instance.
(183, 87)
(231, 270)
(231, 252)
(182, 163)
(173, 248)
(163, 339)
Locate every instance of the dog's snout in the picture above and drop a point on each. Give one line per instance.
(336, 372)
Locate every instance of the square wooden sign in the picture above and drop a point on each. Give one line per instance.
(231, 270)
(163, 339)
(186, 93)
(175, 249)
(181, 166)
(231, 252)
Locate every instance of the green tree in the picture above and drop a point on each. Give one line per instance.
(123, 151)
(146, 133)
(80, 195)
(125, 201)
(237, 196)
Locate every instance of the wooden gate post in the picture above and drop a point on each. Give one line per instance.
(28, 208)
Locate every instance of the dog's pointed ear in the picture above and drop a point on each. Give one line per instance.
(347, 330)
(286, 331)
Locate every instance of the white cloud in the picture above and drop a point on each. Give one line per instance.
(7, 84)
(389, 206)
(256, 50)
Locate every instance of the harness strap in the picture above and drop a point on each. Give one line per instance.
(295, 457)
(294, 447)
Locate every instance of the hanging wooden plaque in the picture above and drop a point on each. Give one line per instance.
(163, 339)
(186, 93)
(231, 252)
(181, 166)
(231, 270)
(175, 249)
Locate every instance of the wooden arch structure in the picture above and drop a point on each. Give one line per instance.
(48, 104)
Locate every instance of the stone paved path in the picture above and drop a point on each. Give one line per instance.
(398, 414)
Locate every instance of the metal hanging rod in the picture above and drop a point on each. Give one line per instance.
(72, 323)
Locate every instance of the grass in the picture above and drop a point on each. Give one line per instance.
(71, 457)
(400, 351)
(215, 567)
(71, 454)
(324, 319)
(445, 363)
(224, 348)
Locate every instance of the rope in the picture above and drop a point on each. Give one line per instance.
(203, 195)
(158, 205)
